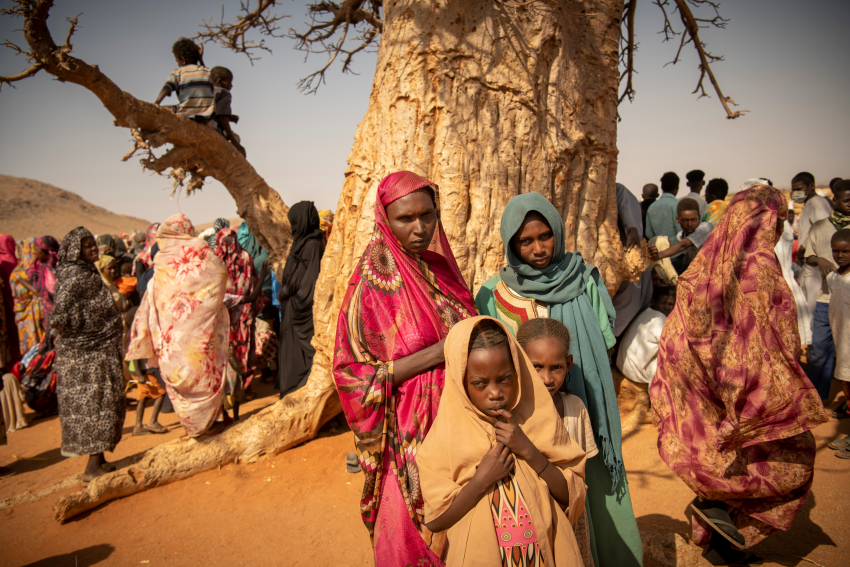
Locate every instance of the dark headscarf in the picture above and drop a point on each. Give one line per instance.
(106, 244)
(84, 312)
(304, 219)
(144, 279)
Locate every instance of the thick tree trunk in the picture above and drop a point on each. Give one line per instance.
(485, 101)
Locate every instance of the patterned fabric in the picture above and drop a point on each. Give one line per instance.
(194, 89)
(145, 255)
(839, 220)
(218, 224)
(42, 276)
(183, 322)
(29, 315)
(90, 379)
(241, 281)
(8, 262)
(515, 533)
(396, 304)
(326, 222)
(38, 378)
(715, 211)
(731, 404)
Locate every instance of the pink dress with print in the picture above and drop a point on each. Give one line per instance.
(514, 527)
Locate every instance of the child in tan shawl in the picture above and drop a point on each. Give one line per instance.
(499, 473)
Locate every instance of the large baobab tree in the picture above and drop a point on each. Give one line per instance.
(488, 98)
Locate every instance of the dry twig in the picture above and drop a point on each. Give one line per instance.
(235, 36)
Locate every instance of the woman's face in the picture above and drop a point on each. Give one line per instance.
(490, 380)
(111, 271)
(41, 254)
(88, 252)
(534, 242)
(551, 360)
(413, 220)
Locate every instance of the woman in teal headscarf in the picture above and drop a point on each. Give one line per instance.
(542, 279)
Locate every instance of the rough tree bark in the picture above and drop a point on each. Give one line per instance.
(486, 99)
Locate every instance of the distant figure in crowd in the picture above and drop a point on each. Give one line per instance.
(649, 196)
(691, 238)
(784, 253)
(661, 215)
(90, 383)
(298, 285)
(143, 259)
(481, 491)
(191, 82)
(542, 279)
(106, 245)
(546, 342)
(733, 409)
(819, 256)
(326, 222)
(403, 298)
(222, 79)
(29, 315)
(715, 196)
(631, 297)
(816, 208)
(696, 181)
(637, 358)
(218, 225)
(8, 263)
(839, 321)
(183, 324)
(245, 300)
(107, 266)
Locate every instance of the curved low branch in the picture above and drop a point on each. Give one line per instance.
(26, 73)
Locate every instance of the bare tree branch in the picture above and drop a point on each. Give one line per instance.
(627, 51)
(691, 36)
(234, 36)
(328, 18)
(26, 73)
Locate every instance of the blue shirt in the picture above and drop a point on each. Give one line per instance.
(661, 218)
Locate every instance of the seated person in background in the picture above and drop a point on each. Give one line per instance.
(222, 80)
(696, 180)
(693, 235)
(191, 81)
(715, 195)
(637, 358)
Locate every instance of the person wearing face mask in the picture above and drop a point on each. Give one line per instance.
(815, 209)
(405, 295)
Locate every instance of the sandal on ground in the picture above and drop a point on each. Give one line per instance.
(841, 411)
(142, 431)
(352, 465)
(720, 520)
(721, 552)
(159, 429)
(840, 444)
(843, 454)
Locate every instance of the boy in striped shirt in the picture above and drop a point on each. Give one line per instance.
(191, 82)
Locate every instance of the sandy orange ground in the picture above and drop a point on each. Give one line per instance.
(301, 507)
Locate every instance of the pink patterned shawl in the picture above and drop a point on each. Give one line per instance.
(396, 305)
(183, 322)
(731, 404)
(145, 255)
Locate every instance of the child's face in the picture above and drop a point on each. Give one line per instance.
(490, 380)
(551, 361)
(688, 220)
(665, 304)
(841, 253)
(226, 83)
(842, 202)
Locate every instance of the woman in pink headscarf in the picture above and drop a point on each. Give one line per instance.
(11, 353)
(404, 296)
(183, 325)
(733, 409)
(41, 273)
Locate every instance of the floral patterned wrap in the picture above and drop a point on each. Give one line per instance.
(241, 281)
(29, 314)
(731, 404)
(183, 322)
(396, 304)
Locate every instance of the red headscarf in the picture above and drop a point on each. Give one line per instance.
(8, 257)
(397, 304)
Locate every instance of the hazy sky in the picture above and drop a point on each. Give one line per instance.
(785, 62)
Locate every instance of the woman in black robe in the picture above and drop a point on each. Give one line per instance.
(297, 285)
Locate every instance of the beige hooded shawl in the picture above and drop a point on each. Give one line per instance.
(462, 435)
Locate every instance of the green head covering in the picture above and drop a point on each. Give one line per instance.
(563, 285)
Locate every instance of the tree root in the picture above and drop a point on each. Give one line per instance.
(293, 420)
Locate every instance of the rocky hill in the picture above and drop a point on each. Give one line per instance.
(32, 208)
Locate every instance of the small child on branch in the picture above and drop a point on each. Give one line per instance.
(191, 82)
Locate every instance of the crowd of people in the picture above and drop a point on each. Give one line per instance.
(182, 324)
(466, 459)
(486, 425)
